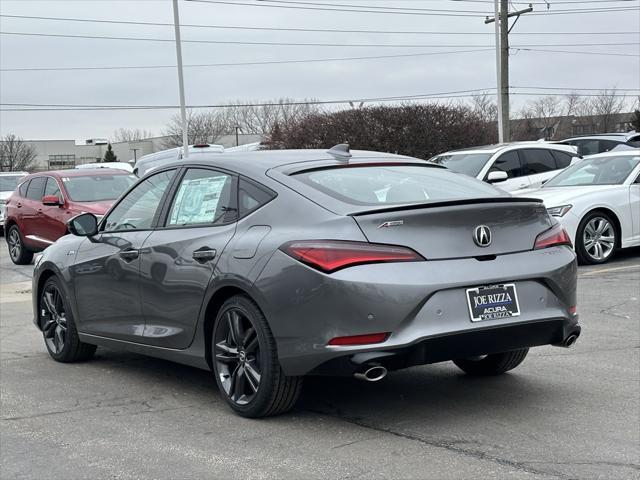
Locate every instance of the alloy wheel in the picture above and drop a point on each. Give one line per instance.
(15, 244)
(599, 238)
(237, 356)
(53, 319)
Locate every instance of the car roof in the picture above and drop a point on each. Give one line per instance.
(634, 152)
(501, 146)
(616, 136)
(82, 172)
(259, 162)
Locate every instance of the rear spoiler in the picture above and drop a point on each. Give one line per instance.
(448, 203)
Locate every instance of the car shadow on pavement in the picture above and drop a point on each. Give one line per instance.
(435, 393)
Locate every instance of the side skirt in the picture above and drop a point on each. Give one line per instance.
(191, 356)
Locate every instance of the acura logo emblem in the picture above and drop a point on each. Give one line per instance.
(482, 236)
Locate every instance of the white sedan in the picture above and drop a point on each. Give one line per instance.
(598, 203)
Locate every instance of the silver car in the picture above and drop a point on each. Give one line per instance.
(266, 267)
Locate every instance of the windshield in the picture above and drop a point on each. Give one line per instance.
(467, 163)
(8, 183)
(596, 171)
(391, 184)
(96, 188)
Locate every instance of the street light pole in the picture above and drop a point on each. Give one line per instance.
(183, 108)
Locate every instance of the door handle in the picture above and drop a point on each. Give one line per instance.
(204, 255)
(129, 255)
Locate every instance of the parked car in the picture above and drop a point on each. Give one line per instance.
(8, 183)
(151, 161)
(593, 144)
(265, 267)
(38, 210)
(116, 165)
(510, 166)
(598, 202)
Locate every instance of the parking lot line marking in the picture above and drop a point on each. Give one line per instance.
(605, 270)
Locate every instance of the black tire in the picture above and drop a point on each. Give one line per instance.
(493, 364)
(58, 327)
(18, 252)
(237, 361)
(607, 241)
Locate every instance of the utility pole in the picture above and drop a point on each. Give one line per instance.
(502, 29)
(135, 154)
(183, 108)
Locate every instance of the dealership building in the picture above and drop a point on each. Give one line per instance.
(61, 154)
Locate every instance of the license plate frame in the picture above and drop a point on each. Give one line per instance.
(493, 302)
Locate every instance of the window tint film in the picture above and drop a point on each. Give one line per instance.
(537, 160)
(395, 184)
(563, 159)
(36, 187)
(136, 211)
(251, 197)
(508, 162)
(203, 198)
(52, 188)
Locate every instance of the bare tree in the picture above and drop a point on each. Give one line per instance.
(256, 118)
(606, 107)
(203, 127)
(130, 135)
(484, 106)
(15, 154)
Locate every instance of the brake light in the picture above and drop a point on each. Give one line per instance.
(359, 339)
(553, 237)
(332, 255)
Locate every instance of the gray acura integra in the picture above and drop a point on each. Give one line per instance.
(268, 266)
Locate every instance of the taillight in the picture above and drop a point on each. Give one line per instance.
(359, 339)
(332, 255)
(553, 237)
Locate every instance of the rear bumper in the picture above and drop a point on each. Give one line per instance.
(414, 301)
(456, 346)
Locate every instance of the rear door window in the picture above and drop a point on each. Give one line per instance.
(36, 188)
(588, 147)
(563, 159)
(606, 145)
(537, 160)
(508, 162)
(204, 197)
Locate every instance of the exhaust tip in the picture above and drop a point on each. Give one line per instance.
(372, 374)
(570, 340)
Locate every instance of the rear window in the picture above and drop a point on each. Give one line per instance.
(8, 183)
(96, 188)
(468, 163)
(394, 184)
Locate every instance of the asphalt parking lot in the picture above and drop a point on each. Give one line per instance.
(562, 414)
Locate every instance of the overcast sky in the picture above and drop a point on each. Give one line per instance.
(325, 81)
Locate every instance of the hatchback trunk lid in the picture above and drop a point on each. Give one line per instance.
(447, 230)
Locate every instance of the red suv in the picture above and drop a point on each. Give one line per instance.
(38, 210)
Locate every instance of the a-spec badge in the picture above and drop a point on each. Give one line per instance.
(394, 223)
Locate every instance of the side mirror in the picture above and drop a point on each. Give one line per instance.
(51, 200)
(497, 176)
(83, 225)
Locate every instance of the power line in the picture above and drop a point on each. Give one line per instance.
(608, 54)
(36, 107)
(397, 12)
(235, 64)
(308, 44)
(581, 89)
(301, 30)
